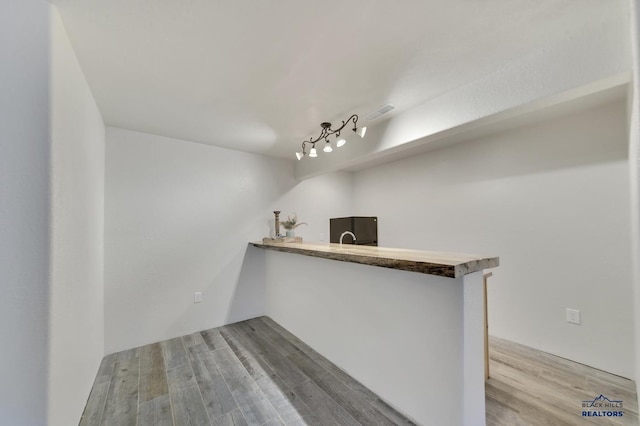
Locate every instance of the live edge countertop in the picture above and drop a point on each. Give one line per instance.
(451, 265)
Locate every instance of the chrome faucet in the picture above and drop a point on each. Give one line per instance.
(347, 233)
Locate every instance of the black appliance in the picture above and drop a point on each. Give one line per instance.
(365, 229)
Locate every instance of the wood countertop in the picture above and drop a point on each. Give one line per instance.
(452, 265)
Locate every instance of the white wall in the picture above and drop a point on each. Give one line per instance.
(394, 331)
(76, 328)
(315, 201)
(551, 200)
(634, 171)
(178, 217)
(24, 211)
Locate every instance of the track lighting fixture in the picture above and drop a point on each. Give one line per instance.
(325, 133)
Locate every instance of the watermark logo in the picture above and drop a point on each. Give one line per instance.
(601, 406)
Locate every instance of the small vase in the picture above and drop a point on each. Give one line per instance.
(291, 233)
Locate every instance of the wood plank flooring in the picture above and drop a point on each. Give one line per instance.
(257, 373)
(249, 373)
(529, 387)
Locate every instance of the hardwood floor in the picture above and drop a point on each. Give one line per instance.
(529, 387)
(249, 373)
(257, 373)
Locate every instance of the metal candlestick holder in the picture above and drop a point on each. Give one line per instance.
(277, 227)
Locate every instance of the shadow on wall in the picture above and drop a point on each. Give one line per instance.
(249, 295)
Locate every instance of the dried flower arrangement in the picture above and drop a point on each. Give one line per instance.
(291, 223)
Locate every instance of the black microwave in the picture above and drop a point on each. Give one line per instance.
(365, 228)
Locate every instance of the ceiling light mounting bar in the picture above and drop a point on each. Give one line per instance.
(324, 135)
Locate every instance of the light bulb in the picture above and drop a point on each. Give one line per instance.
(327, 147)
(340, 142)
(313, 153)
(299, 155)
(361, 131)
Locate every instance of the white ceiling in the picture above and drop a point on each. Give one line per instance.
(260, 76)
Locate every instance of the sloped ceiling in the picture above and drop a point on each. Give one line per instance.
(260, 76)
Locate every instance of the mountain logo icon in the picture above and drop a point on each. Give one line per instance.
(600, 401)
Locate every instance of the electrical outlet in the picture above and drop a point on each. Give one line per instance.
(573, 316)
(197, 297)
(321, 237)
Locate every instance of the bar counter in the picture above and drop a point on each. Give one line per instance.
(407, 324)
(451, 265)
